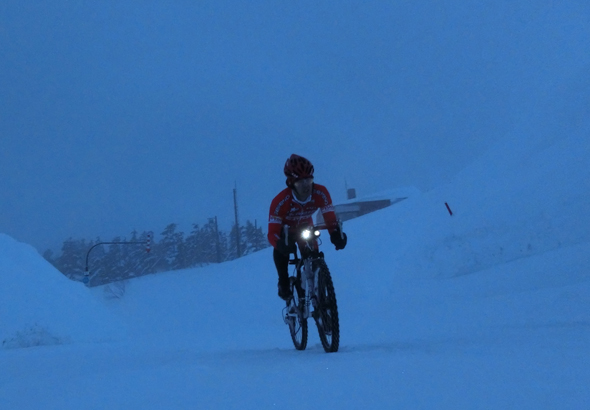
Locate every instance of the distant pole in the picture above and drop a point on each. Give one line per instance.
(238, 250)
(217, 245)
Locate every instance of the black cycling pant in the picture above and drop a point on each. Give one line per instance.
(282, 265)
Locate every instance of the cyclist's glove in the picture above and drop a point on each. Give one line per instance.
(338, 240)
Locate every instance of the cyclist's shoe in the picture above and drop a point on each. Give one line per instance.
(285, 292)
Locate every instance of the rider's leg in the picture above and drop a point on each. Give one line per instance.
(282, 265)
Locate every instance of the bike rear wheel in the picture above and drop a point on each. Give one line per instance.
(297, 323)
(326, 313)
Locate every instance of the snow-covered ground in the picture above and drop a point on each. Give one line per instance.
(485, 309)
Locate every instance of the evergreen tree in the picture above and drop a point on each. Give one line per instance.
(171, 249)
(144, 262)
(255, 239)
(71, 262)
(97, 265)
(210, 243)
(135, 261)
(224, 252)
(194, 247)
(233, 243)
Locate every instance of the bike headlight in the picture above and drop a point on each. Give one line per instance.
(306, 234)
(316, 233)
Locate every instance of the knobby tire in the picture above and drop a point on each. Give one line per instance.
(298, 324)
(326, 314)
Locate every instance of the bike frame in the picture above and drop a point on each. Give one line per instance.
(309, 282)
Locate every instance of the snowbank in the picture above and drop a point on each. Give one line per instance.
(40, 306)
(526, 196)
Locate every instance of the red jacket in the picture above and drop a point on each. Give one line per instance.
(285, 209)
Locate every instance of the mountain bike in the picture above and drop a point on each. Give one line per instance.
(313, 294)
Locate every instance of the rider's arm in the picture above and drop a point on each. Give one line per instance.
(324, 202)
(279, 207)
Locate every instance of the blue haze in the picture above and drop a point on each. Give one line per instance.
(124, 115)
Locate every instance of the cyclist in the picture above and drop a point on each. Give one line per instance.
(294, 206)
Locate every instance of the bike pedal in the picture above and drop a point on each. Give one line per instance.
(288, 316)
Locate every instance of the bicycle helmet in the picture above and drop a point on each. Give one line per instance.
(296, 168)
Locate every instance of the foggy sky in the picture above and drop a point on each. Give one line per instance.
(122, 115)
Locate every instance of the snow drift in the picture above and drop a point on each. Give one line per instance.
(40, 306)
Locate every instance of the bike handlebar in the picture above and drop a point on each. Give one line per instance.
(320, 227)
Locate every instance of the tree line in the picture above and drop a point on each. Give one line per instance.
(173, 250)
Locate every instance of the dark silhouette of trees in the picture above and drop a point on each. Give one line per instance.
(114, 262)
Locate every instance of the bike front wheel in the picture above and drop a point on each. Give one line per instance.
(295, 317)
(326, 312)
